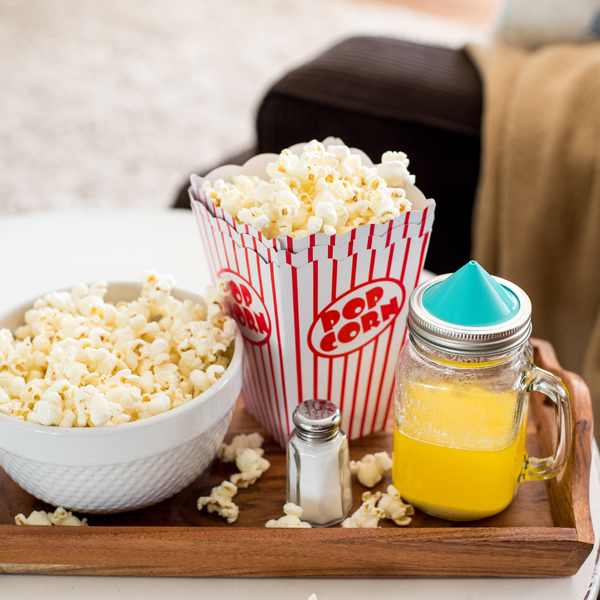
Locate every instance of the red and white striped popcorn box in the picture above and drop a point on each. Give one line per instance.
(329, 329)
(411, 224)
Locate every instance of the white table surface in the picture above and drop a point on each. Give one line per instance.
(45, 251)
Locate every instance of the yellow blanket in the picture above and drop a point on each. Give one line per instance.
(537, 214)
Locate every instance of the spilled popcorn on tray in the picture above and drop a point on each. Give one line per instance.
(229, 452)
(247, 453)
(393, 508)
(292, 518)
(252, 465)
(371, 468)
(79, 361)
(59, 517)
(324, 190)
(377, 505)
(221, 501)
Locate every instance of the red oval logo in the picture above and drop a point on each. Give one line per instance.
(247, 308)
(356, 318)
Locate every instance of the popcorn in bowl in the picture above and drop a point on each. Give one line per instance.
(79, 361)
(325, 190)
(112, 469)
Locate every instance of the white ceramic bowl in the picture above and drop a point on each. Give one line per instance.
(124, 467)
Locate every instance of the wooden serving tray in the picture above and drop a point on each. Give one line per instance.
(545, 532)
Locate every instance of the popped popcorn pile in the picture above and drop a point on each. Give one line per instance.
(81, 362)
(325, 190)
(394, 509)
(246, 451)
(221, 501)
(291, 518)
(59, 517)
(371, 468)
(251, 465)
(376, 506)
(229, 452)
(367, 516)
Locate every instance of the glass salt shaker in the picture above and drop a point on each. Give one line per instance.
(318, 465)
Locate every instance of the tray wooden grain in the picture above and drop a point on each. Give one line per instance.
(545, 532)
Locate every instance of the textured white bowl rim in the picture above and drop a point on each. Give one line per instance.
(234, 365)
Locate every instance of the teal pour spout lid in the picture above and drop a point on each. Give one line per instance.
(470, 313)
(471, 297)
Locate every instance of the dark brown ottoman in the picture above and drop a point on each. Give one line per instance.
(381, 94)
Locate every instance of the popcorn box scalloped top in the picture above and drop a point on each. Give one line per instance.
(256, 166)
(404, 228)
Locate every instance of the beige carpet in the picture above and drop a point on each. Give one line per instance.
(114, 103)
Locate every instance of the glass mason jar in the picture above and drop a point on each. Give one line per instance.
(461, 411)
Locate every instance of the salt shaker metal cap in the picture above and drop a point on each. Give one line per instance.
(317, 420)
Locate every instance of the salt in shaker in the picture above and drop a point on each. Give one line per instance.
(318, 467)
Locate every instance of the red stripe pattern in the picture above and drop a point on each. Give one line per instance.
(320, 325)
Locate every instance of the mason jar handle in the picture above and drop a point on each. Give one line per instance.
(536, 469)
